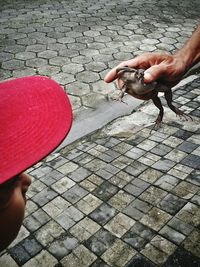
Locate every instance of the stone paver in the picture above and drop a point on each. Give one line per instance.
(94, 203)
(121, 196)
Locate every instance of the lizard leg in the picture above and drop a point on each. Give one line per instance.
(158, 104)
(168, 97)
(121, 95)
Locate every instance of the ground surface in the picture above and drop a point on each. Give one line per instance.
(120, 196)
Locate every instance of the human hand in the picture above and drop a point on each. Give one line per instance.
(168, 69)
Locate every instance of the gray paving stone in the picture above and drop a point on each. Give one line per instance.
(133, 212)
(163, 165)
(5, 56)
(47, 233)
(79, 174)
(187, 147)
(63, 78)
(167, 182)
(153, 195)
(180, 226)
(120, 200)
(172, 204)
(36, 220)
(103, 214)
(196, 199)
(118, 254)
(63, 247)
(97, 66)
(48, 70)
(36, 62)
(182, 134)
(192, 161)
(172, 235)
(43, 256)
(185, 190)
(72, 68)
(138, 236)
(25, 55)
(161, 150)
(189, 214)
(88, 76)
(135, 153)
(81, 256)
(47, 54)
(147, 144)
(190, 243)
(150, 175)
(14, 48)
(95, 165)
(155, 219)
(135, 168)
(76, 46)
(13, 64)
(75, 193)
(84, 229)
(19, 254)
(158, 250)
(119, 225)
(136, 187)
(59, 60)
(105, 191)
(68, 53)
(36, 48)
(31, 246)
(44, 196)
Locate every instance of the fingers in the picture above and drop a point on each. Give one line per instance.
(112, 74)
(154, 72)
(142, 61)
(151, 62)
(132, 63)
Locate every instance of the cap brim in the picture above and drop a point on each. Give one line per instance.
(35, 117)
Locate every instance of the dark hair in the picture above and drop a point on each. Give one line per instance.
(6, 190)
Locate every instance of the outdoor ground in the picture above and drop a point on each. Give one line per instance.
(114, 194)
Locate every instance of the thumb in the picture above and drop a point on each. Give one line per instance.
(153, 73)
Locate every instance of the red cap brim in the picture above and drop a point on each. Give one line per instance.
(35, 117)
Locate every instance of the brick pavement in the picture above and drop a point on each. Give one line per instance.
(118, 197)
(76, 42)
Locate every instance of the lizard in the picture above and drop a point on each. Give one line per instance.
(133, 84)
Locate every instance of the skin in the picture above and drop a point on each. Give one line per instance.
(12, 212)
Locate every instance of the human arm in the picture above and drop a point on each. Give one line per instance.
(168, 68)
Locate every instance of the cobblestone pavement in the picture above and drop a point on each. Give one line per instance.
(123, 196)
(76, 42)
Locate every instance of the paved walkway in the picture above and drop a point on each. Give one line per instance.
(120, 196)
(76, 42)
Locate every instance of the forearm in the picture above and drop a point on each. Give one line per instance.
(190, 52)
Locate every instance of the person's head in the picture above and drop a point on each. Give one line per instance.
(35, 117)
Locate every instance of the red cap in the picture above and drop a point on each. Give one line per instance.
(35, 117)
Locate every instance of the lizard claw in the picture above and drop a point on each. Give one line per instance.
(120, 100)
(157, 124)
(181, 115)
